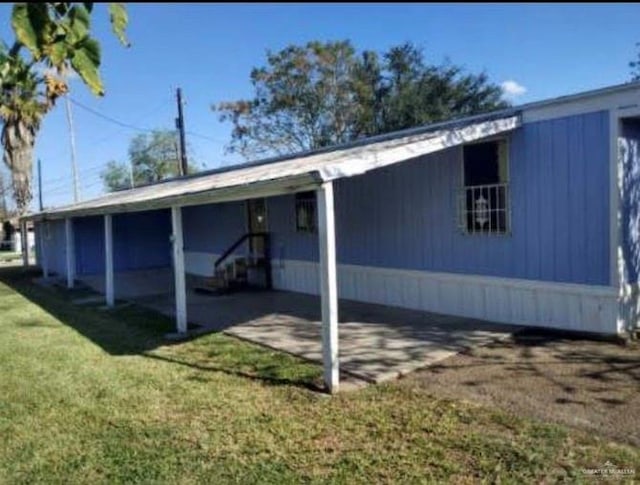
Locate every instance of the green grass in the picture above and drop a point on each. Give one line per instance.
(8, 256)
(90, 396)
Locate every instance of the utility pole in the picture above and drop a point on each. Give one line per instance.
(72, 140)
(40, 184)
(184, 169)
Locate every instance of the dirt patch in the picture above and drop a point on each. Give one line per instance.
(592, 385)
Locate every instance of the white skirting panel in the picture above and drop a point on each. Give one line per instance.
(522, 302)
(629, 319)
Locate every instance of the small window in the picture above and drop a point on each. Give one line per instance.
(483, 203)
(306, 212)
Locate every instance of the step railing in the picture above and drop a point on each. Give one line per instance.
(264, 236)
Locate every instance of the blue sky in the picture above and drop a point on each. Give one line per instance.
(209, 50)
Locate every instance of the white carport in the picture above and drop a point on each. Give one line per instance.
(314, 170)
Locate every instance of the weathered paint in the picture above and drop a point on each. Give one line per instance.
(405, 216)
(629, 146)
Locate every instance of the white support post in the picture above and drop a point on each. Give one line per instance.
(178, 269)
(328, 286)
(70, 247)
(108, 260)
(42, 257)
(24, 242)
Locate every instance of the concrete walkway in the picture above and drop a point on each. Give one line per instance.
(376, 342)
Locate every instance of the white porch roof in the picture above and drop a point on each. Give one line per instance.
(294, 173)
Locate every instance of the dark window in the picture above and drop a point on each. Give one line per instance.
(484, 200)
(306, 212)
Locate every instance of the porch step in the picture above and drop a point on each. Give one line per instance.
(214, 282)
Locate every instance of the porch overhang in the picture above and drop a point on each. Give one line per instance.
(293, 173)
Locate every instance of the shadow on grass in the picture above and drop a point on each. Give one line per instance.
(133, 330)
(264, 373)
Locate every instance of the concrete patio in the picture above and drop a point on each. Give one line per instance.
(376, 342)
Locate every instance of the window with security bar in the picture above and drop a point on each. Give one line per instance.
(306, 212)
(483, 202)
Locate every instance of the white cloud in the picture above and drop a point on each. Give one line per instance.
(512, 89)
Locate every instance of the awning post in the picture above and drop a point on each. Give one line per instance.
(42, 257)
(108, 260)
(24, 243)
(178, 269)
(328, 286)
(70, 250)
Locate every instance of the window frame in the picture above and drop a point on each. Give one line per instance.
(462, 225)
(314, 201)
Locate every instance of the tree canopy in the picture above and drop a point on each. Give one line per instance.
(635, 65)
(51, 40)
(321, 94)
(152, 157)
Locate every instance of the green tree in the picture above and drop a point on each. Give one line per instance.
(54, 38)
(152, 157)
(322, 94)
(116, 176)
(303, 99)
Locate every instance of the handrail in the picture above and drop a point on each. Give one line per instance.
(235, 245)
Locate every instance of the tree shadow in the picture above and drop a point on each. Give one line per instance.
(266, 374)
(578, 380)
(130, 330)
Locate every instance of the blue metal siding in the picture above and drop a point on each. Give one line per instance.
(630, 204)
(404, 216)
(37, 231)
(89, 245)
(286, 243)
(56, 247)
(141, 240)
(213, 228)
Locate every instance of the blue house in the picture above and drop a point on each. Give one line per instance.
(526, 216)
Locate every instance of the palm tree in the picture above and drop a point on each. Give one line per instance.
(56, 36)
(25, 98)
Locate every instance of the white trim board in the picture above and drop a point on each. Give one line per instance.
(513, 301)
(618, 101)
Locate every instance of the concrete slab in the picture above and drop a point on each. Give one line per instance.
(376, 342)
(134, 284)
(88, 300)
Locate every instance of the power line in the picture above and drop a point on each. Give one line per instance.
(138, 128)
(66, 178)
(109, 118)
(204, 137)
(63, 180)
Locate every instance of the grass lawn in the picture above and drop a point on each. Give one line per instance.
(92, 396)
(9, 256)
